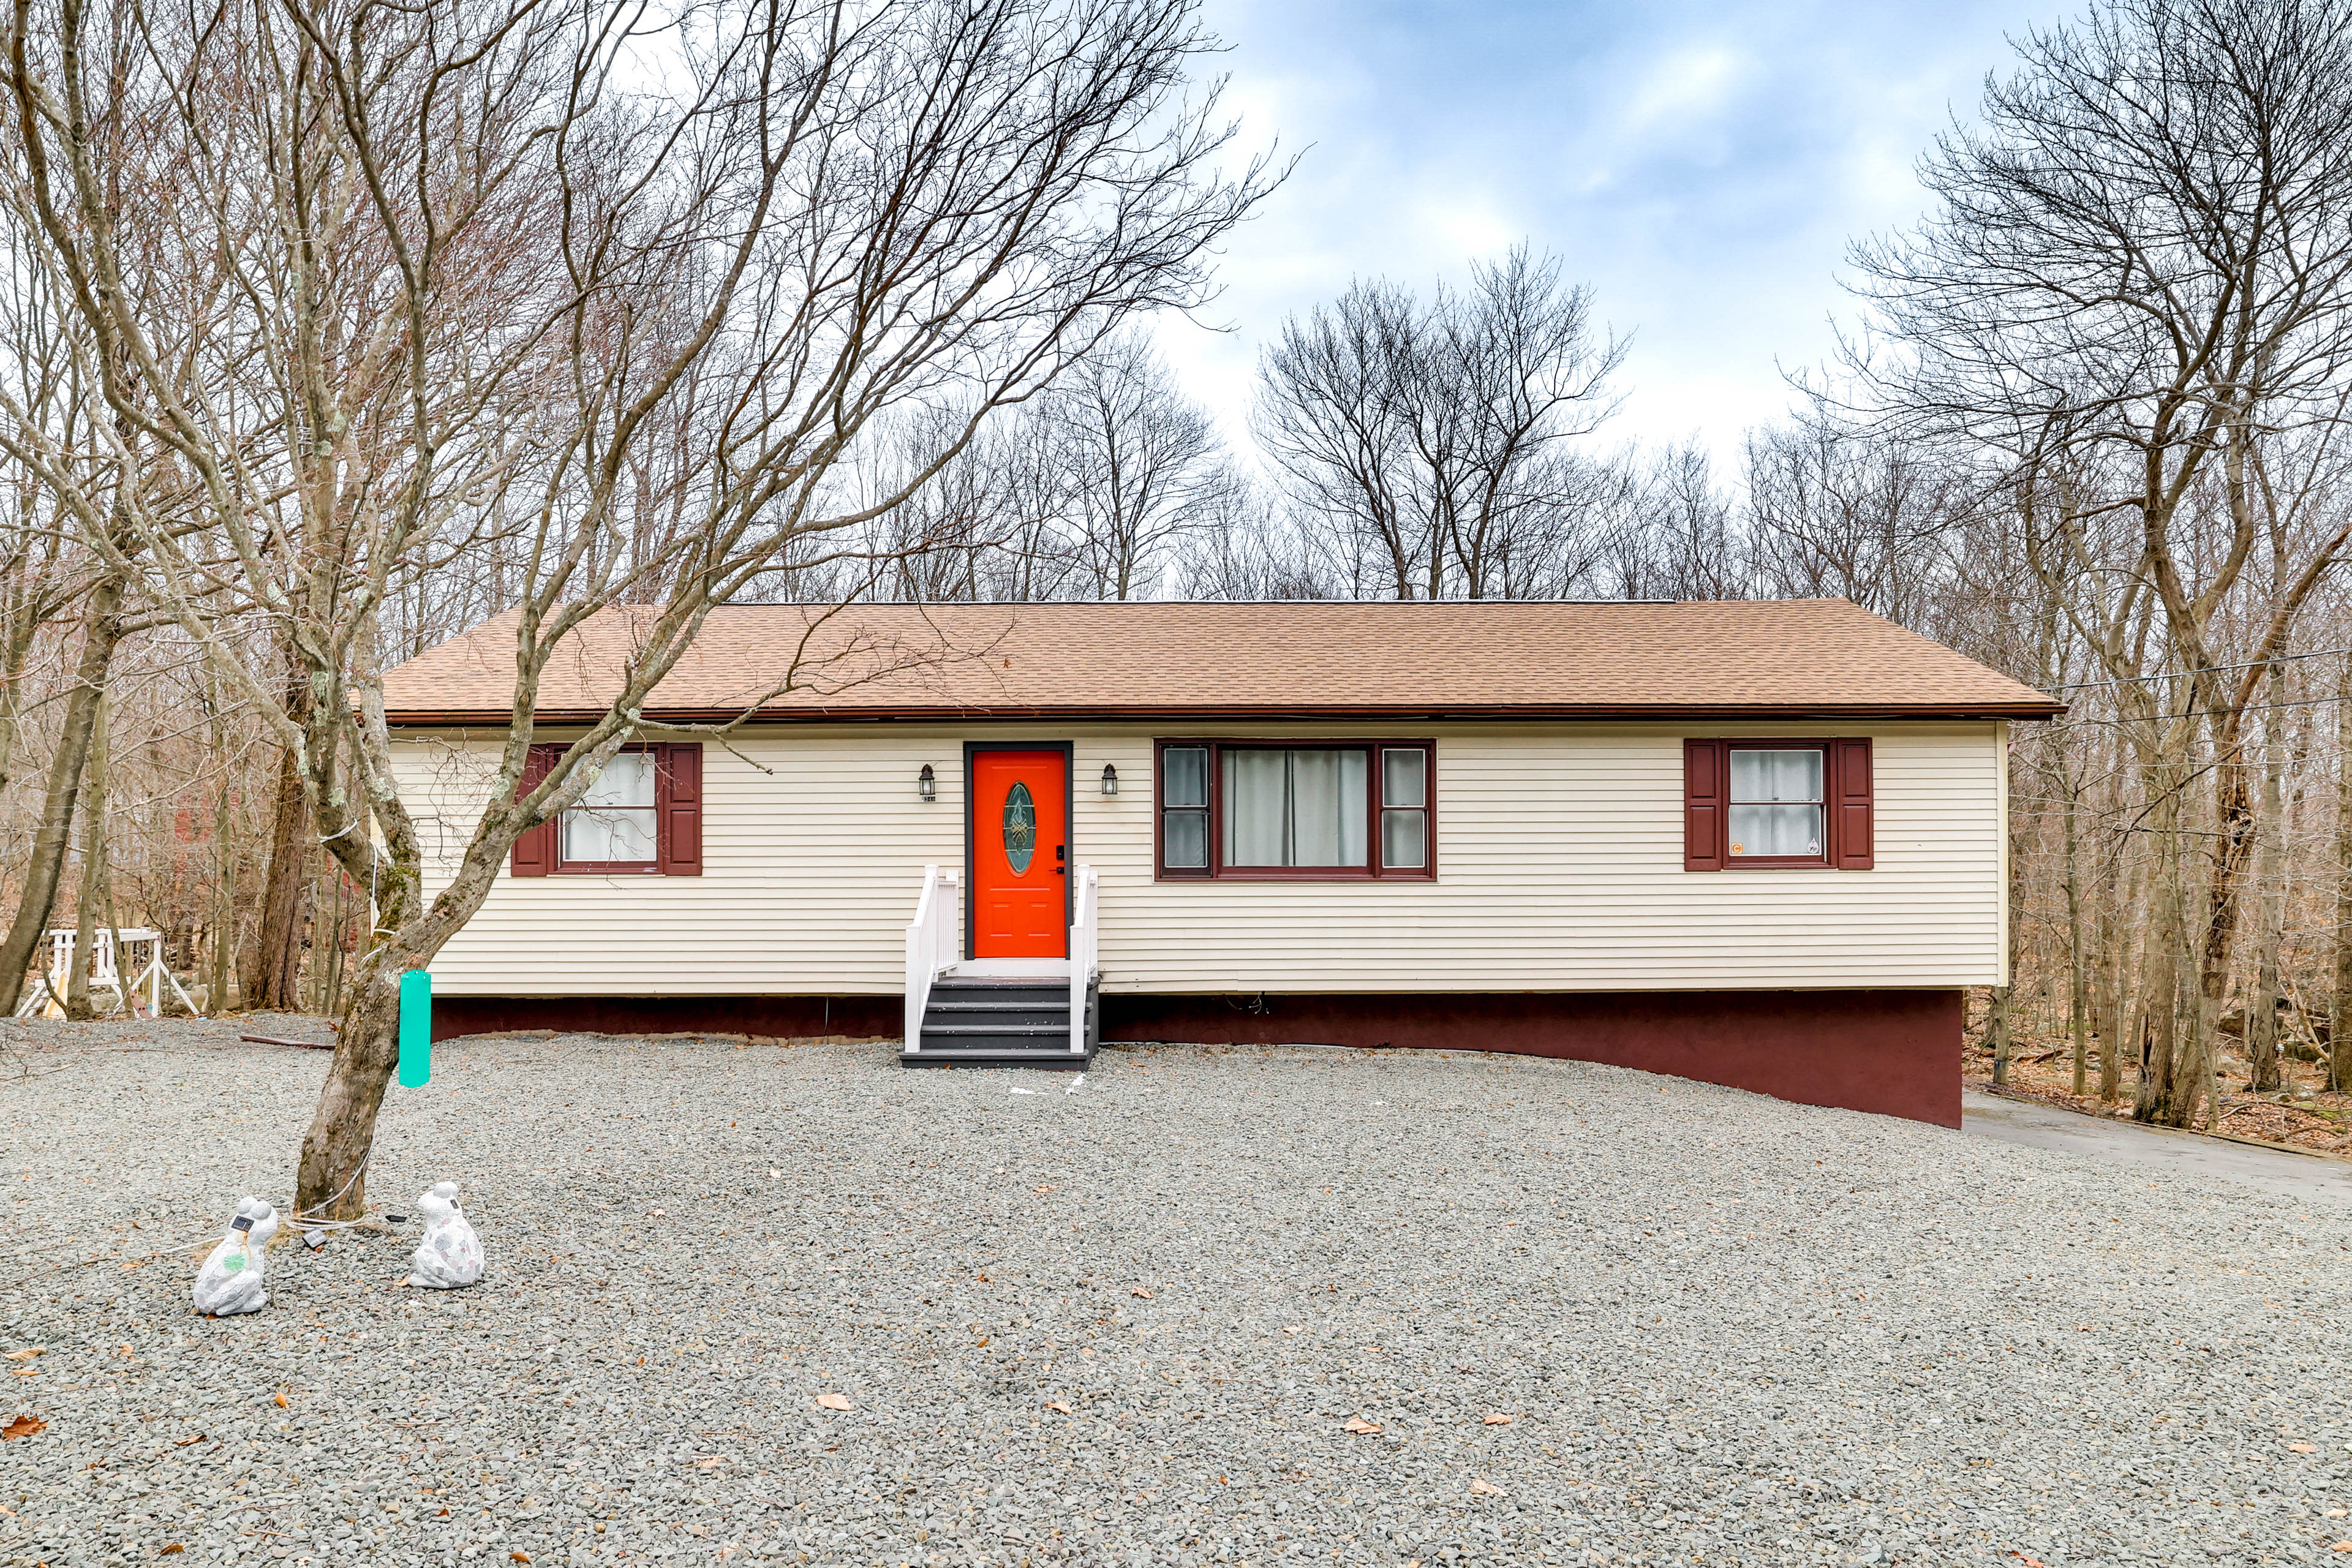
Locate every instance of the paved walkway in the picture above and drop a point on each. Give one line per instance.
(2110, 1139)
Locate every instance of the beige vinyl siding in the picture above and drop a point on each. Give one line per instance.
(1559, 868)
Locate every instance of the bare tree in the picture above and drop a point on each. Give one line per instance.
(1141, 460)
(1439, 442)
(1245, 550)
(645, 277)
(2139, 272)
(1837, 509)
(1663, 529)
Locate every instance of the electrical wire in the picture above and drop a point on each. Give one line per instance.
(2208, 669)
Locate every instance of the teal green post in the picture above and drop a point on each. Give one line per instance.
(415, 1029)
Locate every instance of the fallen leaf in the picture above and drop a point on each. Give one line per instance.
(1048, 1188)
(28, 1353)
(185, 1441)
(1486, 1488)
(2021, 1557)
(1140, 1290)
(709, 1462)
(1362, 1427)
(2341, 1546)
(175, 1546)
(23, 1426)
(1057, 1404)
(1497, 1418)
(833, 1401)
(2301, 1448)
(282, 1404)
(134, 1263)
(517, 1557)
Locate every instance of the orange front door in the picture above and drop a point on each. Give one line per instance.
(1020, 854)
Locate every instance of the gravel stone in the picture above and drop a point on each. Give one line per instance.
(1129, 1320)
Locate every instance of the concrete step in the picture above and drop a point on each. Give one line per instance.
(966, 1054)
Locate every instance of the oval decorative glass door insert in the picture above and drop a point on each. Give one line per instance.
(1020, 828)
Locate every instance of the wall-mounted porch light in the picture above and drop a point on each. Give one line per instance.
(1110, 779)
(927, 784)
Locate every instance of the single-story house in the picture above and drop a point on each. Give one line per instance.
(1760, 843)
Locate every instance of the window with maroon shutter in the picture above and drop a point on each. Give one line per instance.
(1765, 804)
(642, 814)
(534, 852)
(681, 797)
(1703, 802)
(1850, 804)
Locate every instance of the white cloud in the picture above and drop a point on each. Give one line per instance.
(1701, 165)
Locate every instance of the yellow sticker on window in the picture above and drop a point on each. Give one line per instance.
(1739, 848)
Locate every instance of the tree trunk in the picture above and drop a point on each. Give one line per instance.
(93, 872)
(2078, 983)
(101, 629)
(1999, 1025)
(332, 1180)
(2115, 902)
(2270, 890)
(2158, 1097)
(12, 701)
(1997, 1034)
(272, 978)
(2339, 1021)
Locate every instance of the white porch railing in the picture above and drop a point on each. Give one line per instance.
(931, 945)
(1084, 938)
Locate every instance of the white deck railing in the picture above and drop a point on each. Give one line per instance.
(931, 945)
(1083, 940)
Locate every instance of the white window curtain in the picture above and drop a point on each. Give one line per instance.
(1776, 803)
(615, 820)
(1295, 808)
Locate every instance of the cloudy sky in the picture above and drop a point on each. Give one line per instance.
(1701, 166)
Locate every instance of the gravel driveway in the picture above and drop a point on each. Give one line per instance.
(1595, 1316)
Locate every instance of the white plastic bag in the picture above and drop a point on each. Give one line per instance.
(230, 1281)
(450, 1255)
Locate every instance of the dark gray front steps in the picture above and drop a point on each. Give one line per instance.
(1002, 1023)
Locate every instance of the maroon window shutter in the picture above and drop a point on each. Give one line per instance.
(679, 791)
(534, 852)
(1706, 784)
(1851, 792)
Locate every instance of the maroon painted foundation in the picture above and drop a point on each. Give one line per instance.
(881, 1016)
(1897, 1053)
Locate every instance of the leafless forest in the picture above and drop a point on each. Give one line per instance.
(333, 329)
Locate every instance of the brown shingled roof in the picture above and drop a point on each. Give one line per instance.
(1464, 659)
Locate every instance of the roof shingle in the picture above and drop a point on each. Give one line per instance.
(1464, 660)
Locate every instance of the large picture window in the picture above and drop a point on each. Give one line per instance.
(1312, 811)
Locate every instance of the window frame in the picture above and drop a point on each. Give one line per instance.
(559, 867)
(1828, 859)
(1372, 870)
